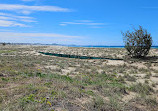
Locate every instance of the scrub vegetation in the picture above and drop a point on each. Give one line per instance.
(30, 81)
(138, 42)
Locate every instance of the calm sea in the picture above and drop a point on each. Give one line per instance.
(154, 47)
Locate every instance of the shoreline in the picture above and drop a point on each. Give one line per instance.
(75, 46)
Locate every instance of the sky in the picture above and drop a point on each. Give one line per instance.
(79, 22)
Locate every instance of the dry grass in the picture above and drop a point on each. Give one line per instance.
(30, 81)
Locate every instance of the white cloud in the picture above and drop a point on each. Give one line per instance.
(25, 9)
(9, 20)
(6, 23)
(6, 16)
(25, 12)
(82, 22)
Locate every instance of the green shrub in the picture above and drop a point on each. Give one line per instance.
(137, 42)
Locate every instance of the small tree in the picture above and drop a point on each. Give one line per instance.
(137, 42)
(3, 44)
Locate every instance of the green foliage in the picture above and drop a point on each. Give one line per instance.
(53, 93)
(137, 42)
(5, 79)
(3, 44)
(29, 98)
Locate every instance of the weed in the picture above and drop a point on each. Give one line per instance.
(5, 79)
(130, 78)
(140, 88)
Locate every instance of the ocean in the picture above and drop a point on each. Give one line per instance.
(90, 46)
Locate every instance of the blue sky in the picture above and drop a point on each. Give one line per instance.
(82, 22)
